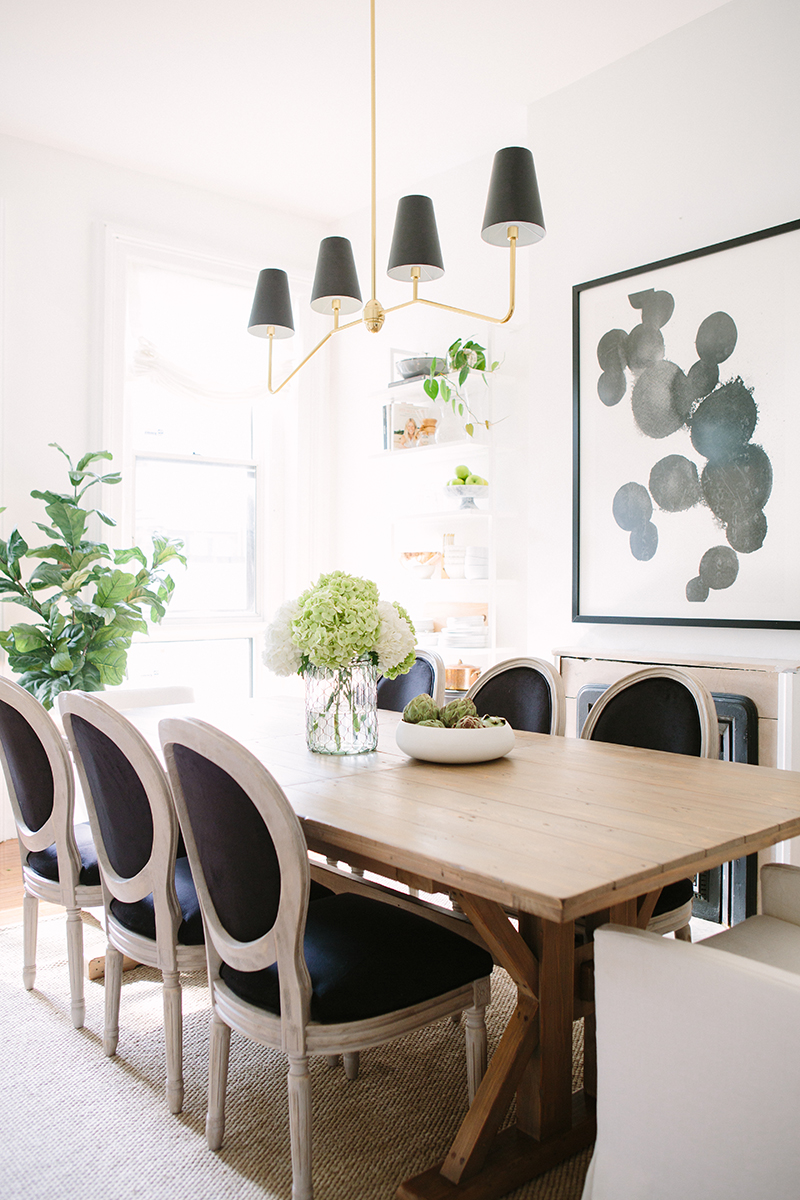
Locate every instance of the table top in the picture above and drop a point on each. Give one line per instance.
(558, 828)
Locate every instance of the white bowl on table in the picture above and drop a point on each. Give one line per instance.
(432, 744)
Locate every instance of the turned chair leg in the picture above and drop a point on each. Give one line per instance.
(173, 1037)
(218, 1054)
(475, 1021)
(75, 960)
(300, 1126)
(352, 1062)
(30, 921)
(113, 986)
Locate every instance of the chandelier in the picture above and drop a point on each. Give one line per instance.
(513, 218)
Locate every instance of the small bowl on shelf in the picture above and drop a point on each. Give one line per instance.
(408, 368)
(421, 563)
(432, 744)
(468, 493)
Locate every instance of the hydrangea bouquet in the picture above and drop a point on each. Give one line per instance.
(338, 625)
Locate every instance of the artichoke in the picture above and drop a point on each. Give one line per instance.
(470, 723)
(494, 720)
(421, 708)
(435, 723)
(456, 710)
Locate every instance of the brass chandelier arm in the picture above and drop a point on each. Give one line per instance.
(336, 329)
(512, 286)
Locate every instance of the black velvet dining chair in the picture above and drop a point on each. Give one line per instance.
(152, 912)
(528, 692)
(301, 975)
(426, 676)
(59, 860)
(660, 708)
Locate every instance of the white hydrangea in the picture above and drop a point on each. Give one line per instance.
(396, 638)
(281, 654)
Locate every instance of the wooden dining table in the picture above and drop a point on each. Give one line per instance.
(537, 849)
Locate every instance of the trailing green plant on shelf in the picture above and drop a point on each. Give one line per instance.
(87, 608)
(463, 359)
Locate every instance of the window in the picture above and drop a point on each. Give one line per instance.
(192, 429)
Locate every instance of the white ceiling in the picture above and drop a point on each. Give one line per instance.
(268, 100)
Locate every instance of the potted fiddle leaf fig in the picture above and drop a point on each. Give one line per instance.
(463, 358)
(86, 606)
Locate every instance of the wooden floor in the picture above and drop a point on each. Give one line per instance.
(11, 886)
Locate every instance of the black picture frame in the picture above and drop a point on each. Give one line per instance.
(686, 438)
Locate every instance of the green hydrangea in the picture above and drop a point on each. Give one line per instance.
(337, 620)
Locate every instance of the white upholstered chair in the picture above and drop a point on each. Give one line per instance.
(528, 692)
(151, 909)
(660, 708)
(59, 860)
(698, 1058)
(329, 976)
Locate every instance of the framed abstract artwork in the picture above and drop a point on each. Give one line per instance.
(686, 468)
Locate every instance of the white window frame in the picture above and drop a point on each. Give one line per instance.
(285, 432)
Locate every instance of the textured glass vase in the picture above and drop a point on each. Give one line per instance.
(342, 708)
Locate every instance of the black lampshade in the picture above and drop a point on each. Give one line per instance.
(415, 242)
(272, 305)
(335, 277)
(513, 199)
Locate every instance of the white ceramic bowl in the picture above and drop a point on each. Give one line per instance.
(454, 745)
(420, 563)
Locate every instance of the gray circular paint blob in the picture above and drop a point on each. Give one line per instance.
(716, 338)
(738, 487)
(632, 506)
(723, 423)
(611, 387)
(696, 590)
(675, 484)
(703, 377)
(645, 347)
(656, 307)
(611, 350)
(644, 542)
(719, 567)
(746, 531)
(661, 401)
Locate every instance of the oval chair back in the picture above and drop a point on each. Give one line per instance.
(426, 675)
(152, 911)
(668, 709)
(528, 692)
(59, 861)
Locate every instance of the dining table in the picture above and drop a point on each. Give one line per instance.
(537, 849)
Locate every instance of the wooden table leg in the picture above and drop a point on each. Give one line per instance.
(534, 1056)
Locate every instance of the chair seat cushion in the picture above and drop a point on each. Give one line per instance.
(673, 895)
(140, 917)
(45, 862)
(366, 958)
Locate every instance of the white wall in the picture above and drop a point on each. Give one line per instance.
(686, 143)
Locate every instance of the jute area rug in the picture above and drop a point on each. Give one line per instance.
(75, 1122)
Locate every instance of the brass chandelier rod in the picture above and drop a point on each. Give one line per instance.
(513, 217)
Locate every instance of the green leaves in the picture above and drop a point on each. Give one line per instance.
(92, 609)
(463, 358)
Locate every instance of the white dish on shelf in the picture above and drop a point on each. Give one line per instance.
(421, 563)
(468, 493)
(432, 744)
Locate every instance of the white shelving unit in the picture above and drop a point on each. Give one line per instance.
(419, 513)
